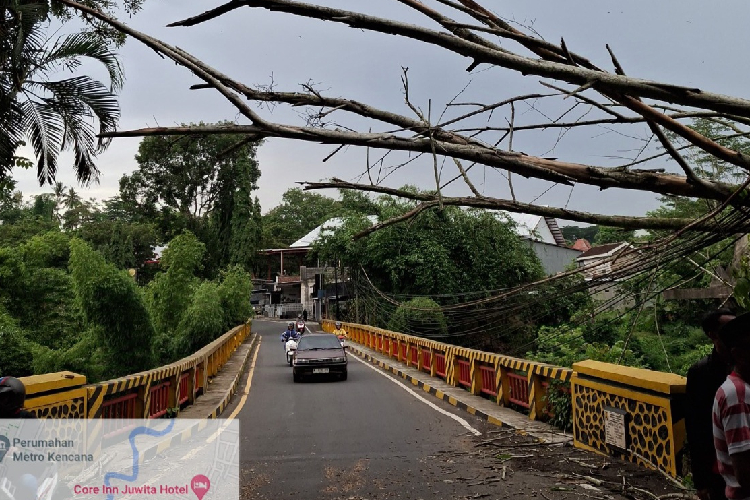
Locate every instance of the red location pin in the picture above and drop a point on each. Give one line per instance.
(200, 485)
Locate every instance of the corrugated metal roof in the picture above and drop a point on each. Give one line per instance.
(324, 230)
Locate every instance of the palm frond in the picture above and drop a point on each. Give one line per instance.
(88, 95)
(45, 129)
(86, 44)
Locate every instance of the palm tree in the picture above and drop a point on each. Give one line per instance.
(54, 113)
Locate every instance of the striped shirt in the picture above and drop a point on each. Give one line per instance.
(732, 430)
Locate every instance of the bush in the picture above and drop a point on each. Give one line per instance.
(203, 321)
(50, 249)
(171, 292)
(110, 300)
(563, 346)
(16, 358)
(420, 316)
(561, 404)
(234, 294)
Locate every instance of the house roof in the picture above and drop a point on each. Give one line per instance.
(602, 250)
(324, 230)
(536, 227)
(582, 244)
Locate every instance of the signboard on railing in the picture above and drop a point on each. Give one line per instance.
(615, 428)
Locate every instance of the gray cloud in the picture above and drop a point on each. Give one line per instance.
(688, 42)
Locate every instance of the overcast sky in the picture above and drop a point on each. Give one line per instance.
(685, 42)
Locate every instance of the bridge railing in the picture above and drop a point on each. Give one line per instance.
(506, 380)
(154, 393)
(632, 413)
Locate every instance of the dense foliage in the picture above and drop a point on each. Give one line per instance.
(75, 293)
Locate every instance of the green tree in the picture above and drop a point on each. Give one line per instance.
(16, 357)
(419, 316)
(607, 235)
(202, 322)
(54, 114)
(234, 295)
(171, 291)
(111, 301)
(203, 184)
(572, 233)
(298, 213)
(447, 251)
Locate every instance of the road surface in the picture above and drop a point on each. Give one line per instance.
(371, 437)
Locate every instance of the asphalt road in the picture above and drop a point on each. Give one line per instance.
(361, 438)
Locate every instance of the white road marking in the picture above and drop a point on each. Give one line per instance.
(432, 405)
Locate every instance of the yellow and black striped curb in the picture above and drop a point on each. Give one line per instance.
(187, 433)
(254, 344)
(429, 389)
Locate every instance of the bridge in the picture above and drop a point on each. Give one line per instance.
(415, 419)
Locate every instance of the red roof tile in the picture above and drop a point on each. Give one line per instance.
(582, 244)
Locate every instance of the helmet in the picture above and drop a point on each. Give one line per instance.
(12, 395)
(338, 324)
(290, 324)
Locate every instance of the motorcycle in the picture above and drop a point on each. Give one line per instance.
(291, 349)
(300, 326)
(342, 339)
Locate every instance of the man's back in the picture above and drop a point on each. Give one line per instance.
(703, 380)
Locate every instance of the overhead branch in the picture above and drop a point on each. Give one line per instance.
(653, 223)
(398, 219)
(527, 166)
(603, 81)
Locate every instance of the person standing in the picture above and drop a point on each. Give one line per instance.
(731, 412)
(703, 380)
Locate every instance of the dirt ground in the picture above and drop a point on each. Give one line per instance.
(521, 467)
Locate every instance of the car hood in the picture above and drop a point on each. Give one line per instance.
(321, 354)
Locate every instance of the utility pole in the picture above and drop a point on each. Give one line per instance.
(336, 279)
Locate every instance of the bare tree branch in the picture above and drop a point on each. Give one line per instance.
(526, 208)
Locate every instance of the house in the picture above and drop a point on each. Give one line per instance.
(315, 288)
(545, 238)
(598, 264)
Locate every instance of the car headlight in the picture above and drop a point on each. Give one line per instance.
(339, 360)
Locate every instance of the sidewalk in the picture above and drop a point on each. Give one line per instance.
(460, 398)
(223, 386)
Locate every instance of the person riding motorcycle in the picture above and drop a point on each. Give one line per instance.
(291, 332)
(339, 331)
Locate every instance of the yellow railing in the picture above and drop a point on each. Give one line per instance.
(150, 394)
(632, 413)
(507, 380)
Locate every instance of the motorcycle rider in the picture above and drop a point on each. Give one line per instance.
(339, 331)
(291, 332)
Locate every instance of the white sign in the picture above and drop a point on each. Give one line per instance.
(614, 428)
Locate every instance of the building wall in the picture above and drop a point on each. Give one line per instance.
(554, 258)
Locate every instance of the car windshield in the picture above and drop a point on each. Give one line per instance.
(322, 342)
